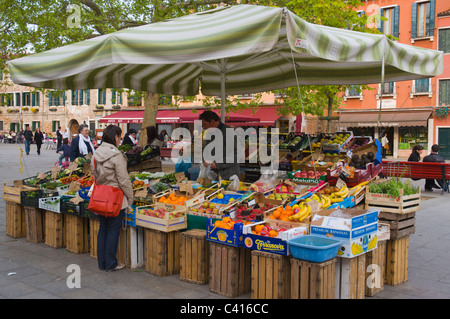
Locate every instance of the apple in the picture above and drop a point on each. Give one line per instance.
(205, 205)
(212, 206)
(304, 175)
(298, 174)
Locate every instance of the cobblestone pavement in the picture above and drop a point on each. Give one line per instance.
(36, 271)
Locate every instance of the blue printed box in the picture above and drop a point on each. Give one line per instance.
(355, 228)
(231, 237)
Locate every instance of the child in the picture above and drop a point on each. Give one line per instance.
(65, 148)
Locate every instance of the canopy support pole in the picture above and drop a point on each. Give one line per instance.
(223, 72)
(381, 91)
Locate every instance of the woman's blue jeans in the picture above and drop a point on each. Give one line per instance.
(108, 240)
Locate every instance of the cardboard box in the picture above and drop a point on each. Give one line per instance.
(275, 245)
(355, 228)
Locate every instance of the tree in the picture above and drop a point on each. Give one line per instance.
(29, 26)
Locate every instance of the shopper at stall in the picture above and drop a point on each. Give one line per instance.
(65, 149)
(81, 145)
(28, 134)
(130, 138)
(111, 170)
(434, 157)
(152, 137)
(225, 169)
(38, 139)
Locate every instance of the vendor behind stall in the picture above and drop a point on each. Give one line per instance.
(225, 169)
(82, 144)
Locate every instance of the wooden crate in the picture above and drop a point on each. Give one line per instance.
(401, 225)
(16, 226)
(162, 252)
(270, 276)
(312, 280)
(94, 225)
(35, 221)
(194, 257)
(350, 277)
(11, 193)
(375, 269)
(397, 261)
(54, 229)
(76, 234)
(229, 273)
(401, 205)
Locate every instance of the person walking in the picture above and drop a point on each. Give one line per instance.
(434, 157)
(59, 138)
(384, 145)
(82, 144)
(111, 170)
(28, 135)
(38, 139)
(65, 148)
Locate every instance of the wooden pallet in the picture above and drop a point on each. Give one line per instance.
(229, 273)
(16, 226)
(397, 251)
(270, 276)
(194, 257)
(401, 205)
(35, 221)
(375, 269)
(162, 252)
(350, 277)
(401, 225)
(54, 229)
(76, 234)
(312, 280)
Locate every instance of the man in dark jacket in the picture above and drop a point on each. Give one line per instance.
(434, 157)
(28, 135)
(225, 169)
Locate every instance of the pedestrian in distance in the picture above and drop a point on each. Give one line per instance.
(38, 139)
(65, 148)
(28, 135)
(130, 138)
(111, 170)
(434, 157)
(384, 145)
(59, 137)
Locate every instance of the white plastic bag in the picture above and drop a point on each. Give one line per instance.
(235, 184)
(203, 176)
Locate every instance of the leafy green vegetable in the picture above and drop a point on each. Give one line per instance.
(393, 186)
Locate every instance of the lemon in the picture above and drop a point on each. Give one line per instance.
(220, 196)
(231, 199)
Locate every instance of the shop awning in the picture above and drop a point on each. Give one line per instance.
(388, 118)
(178, 116)
(267, 117)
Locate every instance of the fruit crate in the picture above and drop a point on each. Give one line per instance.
(52, 204)
(130, 217)
(31, 198)
(29, 180)
(157, 219)
(337, 147)
(230, 237)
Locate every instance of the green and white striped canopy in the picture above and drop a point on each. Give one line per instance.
(238, 49)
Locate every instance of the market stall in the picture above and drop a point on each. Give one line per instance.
(330, 224)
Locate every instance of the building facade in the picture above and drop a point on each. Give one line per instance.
(410, 112)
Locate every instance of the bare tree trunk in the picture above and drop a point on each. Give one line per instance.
(330, 112)
(151, 102)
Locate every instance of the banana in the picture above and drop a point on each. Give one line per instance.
(295, 217)
(342, 191)
(326, 202)
(337, 200)
(345, 194)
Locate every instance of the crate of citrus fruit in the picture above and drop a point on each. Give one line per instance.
(290, 216)
(225, 231)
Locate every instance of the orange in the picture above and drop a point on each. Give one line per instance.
(226, 219)
(162, 199)
(273, 233)
(276, 214)
(259, 228)
(284, 218)
(272, 217)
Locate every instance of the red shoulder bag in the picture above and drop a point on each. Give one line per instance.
(105, 200)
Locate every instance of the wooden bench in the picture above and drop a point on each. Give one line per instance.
(418, 170)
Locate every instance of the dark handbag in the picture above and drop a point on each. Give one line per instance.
(105, 200)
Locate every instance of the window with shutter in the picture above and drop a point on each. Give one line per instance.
(444, 92)
(444, 40)
(422, 19)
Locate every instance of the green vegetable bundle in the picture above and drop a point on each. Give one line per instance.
(393, 186)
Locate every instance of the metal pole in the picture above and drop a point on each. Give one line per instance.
(222, 89)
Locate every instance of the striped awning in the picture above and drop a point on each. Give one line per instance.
(249, 48)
